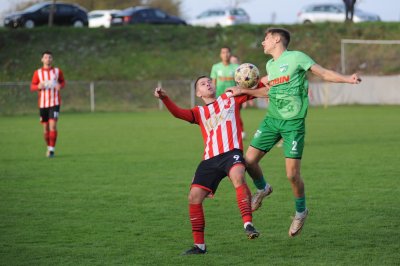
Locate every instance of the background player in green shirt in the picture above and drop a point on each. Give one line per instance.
(223, 73)
(287, 89)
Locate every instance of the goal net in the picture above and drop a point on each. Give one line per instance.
(370, 57)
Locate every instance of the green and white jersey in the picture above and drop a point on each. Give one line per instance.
(224, 76)
(288, 95)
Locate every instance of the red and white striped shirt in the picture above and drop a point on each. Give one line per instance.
(48, 96)
(219, 123)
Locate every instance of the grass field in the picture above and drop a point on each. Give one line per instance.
(116, 193)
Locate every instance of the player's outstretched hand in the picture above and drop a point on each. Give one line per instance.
(236, 91)
(355, 79)
(160, 93)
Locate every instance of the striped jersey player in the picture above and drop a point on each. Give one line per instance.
(223, 154)
(48, 81)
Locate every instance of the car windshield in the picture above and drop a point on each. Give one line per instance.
(35, 7)
(238, 12)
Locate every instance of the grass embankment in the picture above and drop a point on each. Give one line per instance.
(167, 52)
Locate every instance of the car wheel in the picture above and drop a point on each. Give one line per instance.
(78, 24)
(29, 24)
(307, 21)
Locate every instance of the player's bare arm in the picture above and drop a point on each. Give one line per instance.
(257, 93)
(333, 76)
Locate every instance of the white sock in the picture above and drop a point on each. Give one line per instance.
(246, 224)
(201, 246)
(49, 148)
(264, 189)
(301, 214)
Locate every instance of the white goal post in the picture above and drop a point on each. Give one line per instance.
(347, 41)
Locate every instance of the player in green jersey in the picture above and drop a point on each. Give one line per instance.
(223, 73)
(286, 85)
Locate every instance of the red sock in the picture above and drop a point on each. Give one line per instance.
(52, 138)
(46, 138)
(243, 197)
(197, 220)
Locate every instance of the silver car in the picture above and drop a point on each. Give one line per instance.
(221, 17)
(332, 13)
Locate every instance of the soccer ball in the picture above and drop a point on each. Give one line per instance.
(247, 75)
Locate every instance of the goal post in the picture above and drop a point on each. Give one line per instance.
(394, 53)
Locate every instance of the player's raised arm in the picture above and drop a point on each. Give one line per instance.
(333, 76)
(184, 114)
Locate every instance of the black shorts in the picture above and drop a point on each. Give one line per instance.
(50, 113)
(210, 172)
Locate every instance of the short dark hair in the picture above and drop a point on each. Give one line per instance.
(226, 47)
(285, 35)
(47, 52)
(197, 80)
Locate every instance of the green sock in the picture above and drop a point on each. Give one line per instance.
(300, 204)
(260, 183)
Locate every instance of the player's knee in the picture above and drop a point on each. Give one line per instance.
(293, 176)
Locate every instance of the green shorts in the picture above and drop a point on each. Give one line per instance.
(271, 130)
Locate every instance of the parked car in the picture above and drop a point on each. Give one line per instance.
(38, 15)
(143, 14)
(101, 18)
(332, 13)
(221, 17)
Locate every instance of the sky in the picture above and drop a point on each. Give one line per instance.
(268, 11)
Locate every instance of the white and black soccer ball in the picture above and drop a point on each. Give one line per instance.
(247, 75)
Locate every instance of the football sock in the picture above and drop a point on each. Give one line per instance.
(46, 137)
(52, 138)
(243, 198)
(201, 246)
(197, 220)
(300, 204)
(260, 183)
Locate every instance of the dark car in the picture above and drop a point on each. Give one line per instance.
(142, 14)
(38, 15)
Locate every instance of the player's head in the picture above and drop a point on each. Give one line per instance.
(204, 87)
(274, 37)
(234, 60)
(225, 54)
(47, 58)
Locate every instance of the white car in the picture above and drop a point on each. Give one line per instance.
(332, 13)
(101, 18)
(221, 17)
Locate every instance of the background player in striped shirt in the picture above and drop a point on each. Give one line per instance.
(223, 155)
(48, 81)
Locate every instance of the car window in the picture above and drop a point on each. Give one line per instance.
(64, 9)
(238, 12)
(204, 14)
(145, 14)
(47, 8)
(216, 13)
(98, 15)
(159, 14)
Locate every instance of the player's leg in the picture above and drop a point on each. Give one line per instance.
(196, 214)
(204, 184)
(293, 136)
(53, 118)
(243, 198)
(44, 120)
(293, 174)
(266, 136)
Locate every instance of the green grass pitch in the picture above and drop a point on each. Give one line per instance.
(116, 193)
